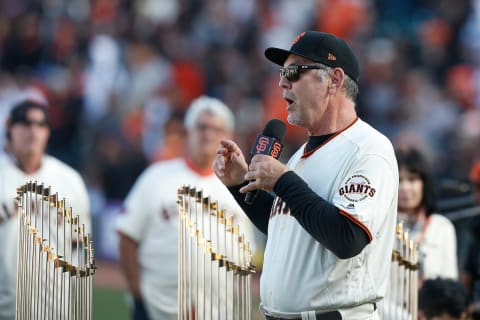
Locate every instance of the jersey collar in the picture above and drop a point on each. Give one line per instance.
(306, 153)
(204, 172)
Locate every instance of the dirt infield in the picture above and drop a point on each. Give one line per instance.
(109, 275)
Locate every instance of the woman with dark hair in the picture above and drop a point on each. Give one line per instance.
(434, 233)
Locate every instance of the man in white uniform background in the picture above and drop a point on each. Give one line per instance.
(27, 133)
(148, 227)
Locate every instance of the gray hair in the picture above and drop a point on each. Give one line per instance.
(350, 87)
(211, 105)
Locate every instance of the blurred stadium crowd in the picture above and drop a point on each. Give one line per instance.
(119, 74)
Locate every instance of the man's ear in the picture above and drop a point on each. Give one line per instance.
(337, 77)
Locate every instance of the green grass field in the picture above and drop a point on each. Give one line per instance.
(109, 304)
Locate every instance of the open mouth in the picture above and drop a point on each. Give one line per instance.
(289, 101)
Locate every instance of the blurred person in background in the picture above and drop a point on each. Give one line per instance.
(173, 140)
(470, 275)
(434, 234)
(148, 228)
(474, 178)
(442, 299)
(25, 160)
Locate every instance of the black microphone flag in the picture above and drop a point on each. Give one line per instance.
(268, 143)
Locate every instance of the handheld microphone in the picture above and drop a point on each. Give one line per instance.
(269, 142)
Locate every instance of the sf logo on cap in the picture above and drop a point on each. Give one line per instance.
(297, 38)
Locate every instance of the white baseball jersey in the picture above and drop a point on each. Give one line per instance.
(62, 179)
(437, 245)
(151, 219)
(356, 171)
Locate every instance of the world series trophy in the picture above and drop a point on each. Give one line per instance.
(215, 268)
(55, 261)
(401, 301)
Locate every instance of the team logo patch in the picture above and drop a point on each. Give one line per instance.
(357, 188)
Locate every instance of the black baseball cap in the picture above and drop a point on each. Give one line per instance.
(18, 114)
(319, 47)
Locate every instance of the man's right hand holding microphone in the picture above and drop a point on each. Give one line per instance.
(264, 170)
(231, 168)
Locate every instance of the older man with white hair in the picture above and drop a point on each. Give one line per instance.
(149, 226)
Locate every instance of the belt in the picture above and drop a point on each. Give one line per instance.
(332, 315)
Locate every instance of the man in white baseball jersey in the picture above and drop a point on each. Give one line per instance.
(149, 226)
(330, 226)
(25, 160)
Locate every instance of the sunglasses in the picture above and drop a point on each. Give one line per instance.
(29, 123)
(292, 72)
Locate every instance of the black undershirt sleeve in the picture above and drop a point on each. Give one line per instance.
(320, 218)
(259, 211)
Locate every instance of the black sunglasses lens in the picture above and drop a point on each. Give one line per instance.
(28, 122)
(291, 73)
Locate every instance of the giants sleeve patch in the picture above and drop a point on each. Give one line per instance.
(357, 188)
